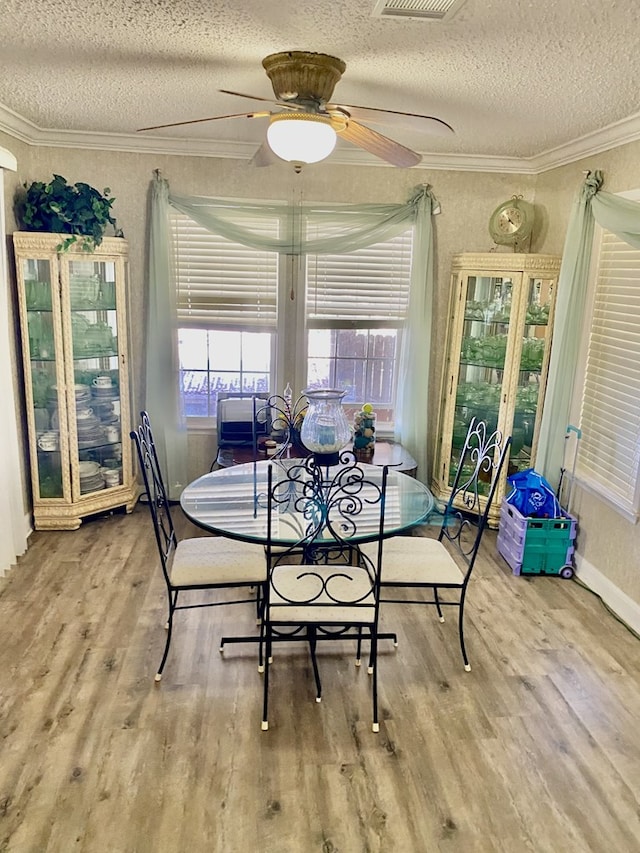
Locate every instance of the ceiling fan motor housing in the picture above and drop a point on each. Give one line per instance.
(303, 76)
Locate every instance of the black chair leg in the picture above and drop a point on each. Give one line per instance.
(166, 647)
(375, 727)
(359, 647)
(437, 603)
(311, 634)
(173, 600)
(384, 635)
(467, 665)
(265, 718)
(261, 645)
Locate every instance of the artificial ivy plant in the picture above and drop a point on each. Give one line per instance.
(62, 208)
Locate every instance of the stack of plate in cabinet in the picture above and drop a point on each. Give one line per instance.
(104, 395)
(82, 395)
(103, 401)
(89, 428)
(104, 410)
(90, 477)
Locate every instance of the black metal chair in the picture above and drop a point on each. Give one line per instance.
(446, 563)
(323, 587)
(200, 563)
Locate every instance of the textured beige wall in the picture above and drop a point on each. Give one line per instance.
(11, 186)
(467, 200)
(605, 538)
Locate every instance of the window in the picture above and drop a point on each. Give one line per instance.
(227, 314)
(220, 360)
(356, 307)
(232, 323)
(609, 454)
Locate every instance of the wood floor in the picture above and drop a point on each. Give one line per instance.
(536, 749)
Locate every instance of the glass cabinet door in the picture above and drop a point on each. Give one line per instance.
(533, 360)
(483, 350)
(97, 432)
(39, 297)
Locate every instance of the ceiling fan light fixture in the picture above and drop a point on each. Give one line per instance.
(311, 76)
(301, 137)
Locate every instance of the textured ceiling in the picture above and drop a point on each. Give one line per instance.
(514, 78)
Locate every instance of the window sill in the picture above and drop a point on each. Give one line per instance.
(204, 426)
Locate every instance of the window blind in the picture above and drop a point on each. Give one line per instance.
(609, 454)
(222, 284)
(367, 288)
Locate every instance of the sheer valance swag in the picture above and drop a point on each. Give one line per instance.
(335, 228)
(621, 216)
(305, 229)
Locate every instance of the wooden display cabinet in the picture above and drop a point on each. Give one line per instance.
(74, 326)
(498, 345)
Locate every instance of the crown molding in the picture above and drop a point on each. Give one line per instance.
(16, 126)
(614, 135)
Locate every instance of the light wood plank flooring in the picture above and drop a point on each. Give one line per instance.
(536, 749)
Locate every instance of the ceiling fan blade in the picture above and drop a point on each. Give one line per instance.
(250, 97)
(424, 124)
(288, 105)
(262, 114)
(375, 143)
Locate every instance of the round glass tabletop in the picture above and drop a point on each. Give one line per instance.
(233, 502)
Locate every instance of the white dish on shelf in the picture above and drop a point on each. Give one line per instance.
(106, 393)
(80, 390)
(88, 468)
(97, 488)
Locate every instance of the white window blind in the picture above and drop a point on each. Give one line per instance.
(609, 455)
(222, 284)
(367, 288)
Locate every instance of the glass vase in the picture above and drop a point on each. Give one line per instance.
(364, 431)
(325, 429)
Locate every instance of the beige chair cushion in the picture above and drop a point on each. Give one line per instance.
(213, 559)
(415, 560)
(301, 583)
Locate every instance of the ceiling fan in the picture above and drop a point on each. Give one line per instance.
(305, 126)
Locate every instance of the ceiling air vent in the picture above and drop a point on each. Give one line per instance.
(424, 10)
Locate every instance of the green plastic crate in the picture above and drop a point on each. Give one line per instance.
(536, 546)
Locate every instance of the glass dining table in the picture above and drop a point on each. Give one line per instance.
(232, 502)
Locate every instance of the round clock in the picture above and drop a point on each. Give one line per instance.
(511, 222)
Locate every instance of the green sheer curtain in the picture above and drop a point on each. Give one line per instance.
(413, 394)
(336, 228)
(162, 399)
(622, 217)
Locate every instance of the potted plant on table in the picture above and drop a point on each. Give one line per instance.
(78, 209)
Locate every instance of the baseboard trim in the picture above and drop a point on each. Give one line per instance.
(622, 605)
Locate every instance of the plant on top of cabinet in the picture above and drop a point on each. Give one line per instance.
(62, 208)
